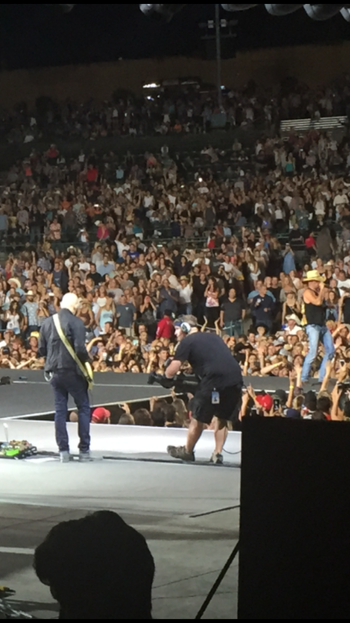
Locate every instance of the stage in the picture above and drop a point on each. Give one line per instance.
(30, 396)
(189, 516)
(189, 513)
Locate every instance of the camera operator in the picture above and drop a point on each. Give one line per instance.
(219, 393)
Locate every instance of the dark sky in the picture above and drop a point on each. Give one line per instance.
(36, 35)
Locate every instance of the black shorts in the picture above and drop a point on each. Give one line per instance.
(228, 409)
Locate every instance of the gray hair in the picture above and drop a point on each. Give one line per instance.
(191, 320)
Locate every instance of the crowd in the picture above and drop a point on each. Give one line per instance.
(189, 107)
(238, 250)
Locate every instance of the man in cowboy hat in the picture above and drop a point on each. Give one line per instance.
(316, 329)
(293, 324)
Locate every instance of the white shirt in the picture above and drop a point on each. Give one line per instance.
(320, 208)
(173, 282)
(121, 247)
(287, 199)
(85, 266)
(227, 267)
(118, 190)
(185, 294)
(340, 200)
(200, 261)
(293, 331)
(343, 284)
(278, 214)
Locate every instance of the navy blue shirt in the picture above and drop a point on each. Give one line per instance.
(262, 308)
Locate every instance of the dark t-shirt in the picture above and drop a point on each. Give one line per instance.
(232, 310)
(211, 361)
(215, 264)
(125, 315)
(96, 278)
(346, 310)
(276, 292)
(296, 240)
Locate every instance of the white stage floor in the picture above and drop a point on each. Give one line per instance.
(180, 509)
(173, 505)
(133, 442)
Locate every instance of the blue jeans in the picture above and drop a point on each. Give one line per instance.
(185, 308)
(65, 382)
(316, 334)
(234, 328)
(35, 234)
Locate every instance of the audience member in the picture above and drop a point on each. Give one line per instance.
(97, 567)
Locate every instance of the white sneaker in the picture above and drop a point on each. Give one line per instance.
(65, 457)
(85, 457)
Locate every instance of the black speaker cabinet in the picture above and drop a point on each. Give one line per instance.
(295, 520)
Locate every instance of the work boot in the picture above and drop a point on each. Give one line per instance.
(180, 452)
(84, 457)
(65, 457)
(217, 458)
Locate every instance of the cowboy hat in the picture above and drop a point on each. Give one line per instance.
(14, 280)
(294, 317)
(313, 275)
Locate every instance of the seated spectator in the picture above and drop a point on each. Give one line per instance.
(100, 415)
(126, 420)
(142, 417)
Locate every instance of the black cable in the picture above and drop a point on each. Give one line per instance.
(218, 510)
(232, 453)
(218, 581)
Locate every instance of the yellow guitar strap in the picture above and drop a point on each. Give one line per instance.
(85, 369)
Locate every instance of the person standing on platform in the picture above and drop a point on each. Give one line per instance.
(219, 394)
(316, 328)
(66, 377)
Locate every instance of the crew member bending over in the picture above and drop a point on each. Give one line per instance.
(220, 389)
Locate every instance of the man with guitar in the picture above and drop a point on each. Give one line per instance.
(62, 343)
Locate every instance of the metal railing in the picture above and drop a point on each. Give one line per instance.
(17, 244)
(305, 125)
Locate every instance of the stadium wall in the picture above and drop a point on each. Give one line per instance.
(314, 65)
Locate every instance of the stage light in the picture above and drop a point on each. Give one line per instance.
(164, 12)
(152, 85)
(346, 14)
(282, 9)
(322, 11)
(64, 8)
(238, 7)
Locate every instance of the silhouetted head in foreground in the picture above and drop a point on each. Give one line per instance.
(97, 567)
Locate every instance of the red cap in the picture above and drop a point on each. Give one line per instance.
(265, 401)
(100, 415)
